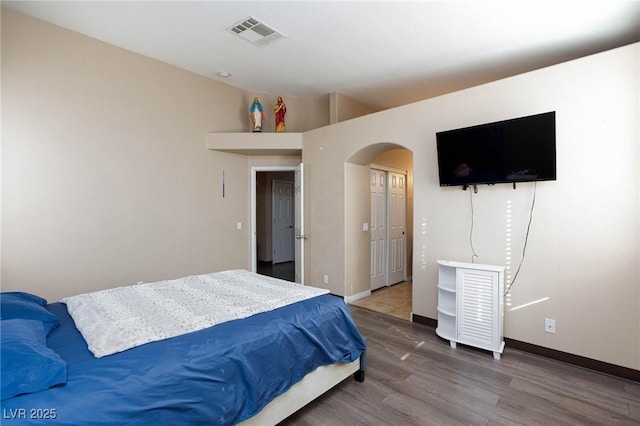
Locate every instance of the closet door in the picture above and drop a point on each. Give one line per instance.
(397, 203)
(378, 229)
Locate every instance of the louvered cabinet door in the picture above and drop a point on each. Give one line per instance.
(478, 309)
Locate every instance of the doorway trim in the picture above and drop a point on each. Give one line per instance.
(389, 169)
(253, 231)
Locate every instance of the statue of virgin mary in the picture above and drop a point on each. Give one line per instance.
(256, 115)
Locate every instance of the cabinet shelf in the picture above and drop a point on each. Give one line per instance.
(447, 301)
(451, 313)
(446, 288)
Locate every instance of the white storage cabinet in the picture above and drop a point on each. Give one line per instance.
(471, 305)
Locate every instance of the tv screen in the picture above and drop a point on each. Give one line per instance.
(517, 150)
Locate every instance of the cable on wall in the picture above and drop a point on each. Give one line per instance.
(474, 255)
(526, 239)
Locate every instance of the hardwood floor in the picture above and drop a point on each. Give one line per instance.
(415, 378)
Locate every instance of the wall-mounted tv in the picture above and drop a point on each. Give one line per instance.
(517, 150)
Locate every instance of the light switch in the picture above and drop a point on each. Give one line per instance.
(239, 226)
(365, 227)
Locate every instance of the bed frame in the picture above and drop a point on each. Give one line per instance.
(311, 387)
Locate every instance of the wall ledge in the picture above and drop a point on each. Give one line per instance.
(257, 143)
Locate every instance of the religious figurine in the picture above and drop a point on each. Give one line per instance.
(280, 109)
(256, 115)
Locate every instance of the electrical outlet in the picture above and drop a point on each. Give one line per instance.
(325, 279)
(550, 325)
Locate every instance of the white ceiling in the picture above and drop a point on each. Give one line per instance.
(384, 53)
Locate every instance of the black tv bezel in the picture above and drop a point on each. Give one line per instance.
(550, 177)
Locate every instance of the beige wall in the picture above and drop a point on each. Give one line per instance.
(357, 242)
(581, 266)
(106, 180)
(342, 107)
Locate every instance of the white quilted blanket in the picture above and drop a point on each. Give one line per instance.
(121, 318)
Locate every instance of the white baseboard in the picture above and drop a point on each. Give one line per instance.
(357, 296)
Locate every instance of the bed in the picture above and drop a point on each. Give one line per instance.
(254, 370)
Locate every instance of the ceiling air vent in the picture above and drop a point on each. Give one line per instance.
(256, 32)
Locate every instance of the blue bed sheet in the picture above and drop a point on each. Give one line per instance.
(217, 376)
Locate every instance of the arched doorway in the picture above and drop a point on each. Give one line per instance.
(385, 259)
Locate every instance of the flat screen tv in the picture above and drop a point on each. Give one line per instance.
(517, 150)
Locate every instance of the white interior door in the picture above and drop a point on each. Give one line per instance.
(388, 228)
(378, 229)
(298, 194)
(283, 221)
(397, 214)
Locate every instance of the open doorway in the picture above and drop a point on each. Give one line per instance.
(274, 213)
(391, 234)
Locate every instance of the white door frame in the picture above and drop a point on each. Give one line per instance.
(254, 243)
(298, 193)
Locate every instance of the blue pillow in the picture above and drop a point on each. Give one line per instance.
(28, 365)
(27, 297)
(27, 306)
